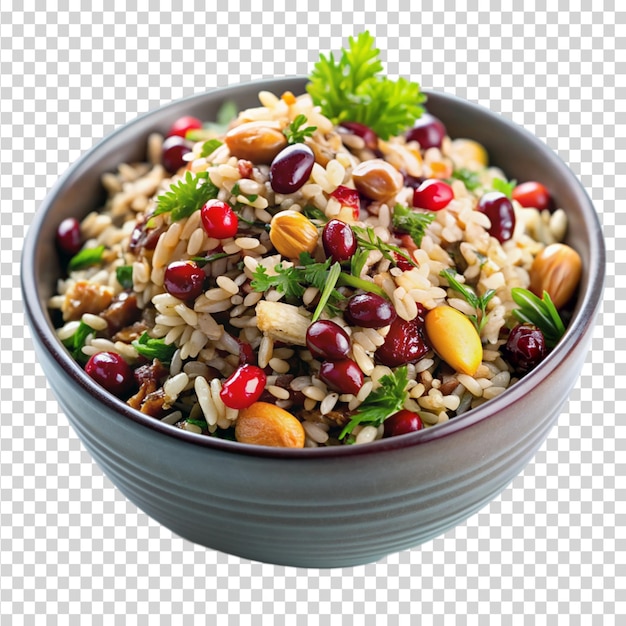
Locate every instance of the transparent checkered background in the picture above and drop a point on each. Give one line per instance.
(551, 547)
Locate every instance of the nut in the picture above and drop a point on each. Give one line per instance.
(257, 141)
(377, 179)
(454, 338)
(292, 233)
(557, 270)
(265, 424)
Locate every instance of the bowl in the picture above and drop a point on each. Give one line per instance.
(323, 507)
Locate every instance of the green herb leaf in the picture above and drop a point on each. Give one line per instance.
(368, 240)
(383, 402)
(124, 275)
(329, 287)
(478, 302)
(539, 312)
(412, 222)
(203, 260)
(151, 348)
(86, 258)
(210, 146)
(470, 179)
(503, 186)
(313, 213)
(286, 280)
(295, 133)
(352, 89)
(76, 342)
(186, 196)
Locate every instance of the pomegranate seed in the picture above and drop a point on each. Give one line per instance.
(219, 220)
(339, 240)
(402, 422)
(433, 195)
(348, 197)
(68, 236)
(532, 195)
(428, 131)
(291, 168)
(404, 343)
(499, 209)
(369, 310)
(112, 372)
(184, 280)
(183, 124)
(327, 340)
(364, 132)
(344, 376)
(243, 387)
(173, 151)
(525, 348)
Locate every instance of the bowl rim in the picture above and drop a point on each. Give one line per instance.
(582, 319)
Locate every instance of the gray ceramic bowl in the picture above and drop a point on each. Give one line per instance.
(315, 507)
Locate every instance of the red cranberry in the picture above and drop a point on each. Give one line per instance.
(404, 343)
(184, 280)
(68, 236)
(344, 376)
(327, 340)
(243, 387)
(402, 422)
(348, 197)
(339, 240)
(291, 168)
(433, 195)
(184, 124)
(532, 194)
(499, 209)
(364, 132)
(112, 372)
(246, 353)
(428, 131)
(369, 310)
(173, 151)
(219, 220)
(525, 348)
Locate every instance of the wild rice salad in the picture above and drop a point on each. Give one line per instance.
(292, 278)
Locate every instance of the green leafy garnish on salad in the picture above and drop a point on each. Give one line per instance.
(86, 258)
(124, 275)
(209, 147)
(412, 222)
(352, 89)
(367, 239)
(383, 402)
(76, 342)
(295, 133)
(504, 186)
(151, 348)
(470, 179)
(186, 196)
(539, 312)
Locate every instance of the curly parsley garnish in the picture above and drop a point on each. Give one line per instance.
(186, 196)
(383, 402)
(539, 312)
(352, 89)
(295, 133)
(412, 222)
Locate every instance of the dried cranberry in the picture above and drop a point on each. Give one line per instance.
(499, 209)
(339, 240)
(68, 236)
(112, 372)
(433, 195)
(525, 348)
(173, 152)
(219, 220)
(291, 168)
(370, 310)
(404, 343)
(184, 280)
(344, 376)
(428, 131)
(327, 340)
(243, 387)
(402, 422)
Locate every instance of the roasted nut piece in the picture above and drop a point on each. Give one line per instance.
(292, 233)
(257, 141)
(265, 424)
(377, 180)
(556, 269)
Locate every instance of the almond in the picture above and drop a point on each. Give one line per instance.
(257, 141)
(265, 424)
(377, 179)
(557, 270)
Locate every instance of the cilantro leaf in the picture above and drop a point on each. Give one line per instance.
(286, 280)
(352, 89)
(86, 258)
(151, 348)
(539, 312)
(412, 222)
(383, 402)
(295, 133)
(186, 196)
(124, 275)
(503, 186)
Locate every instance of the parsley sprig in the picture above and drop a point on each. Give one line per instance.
(383, 402)
(295, 133)
(539, 312)
(352, 88)
(412, 222)
(478, 302)
(367, 239)
(186, 196)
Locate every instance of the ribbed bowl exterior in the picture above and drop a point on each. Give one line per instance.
(315, 508)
